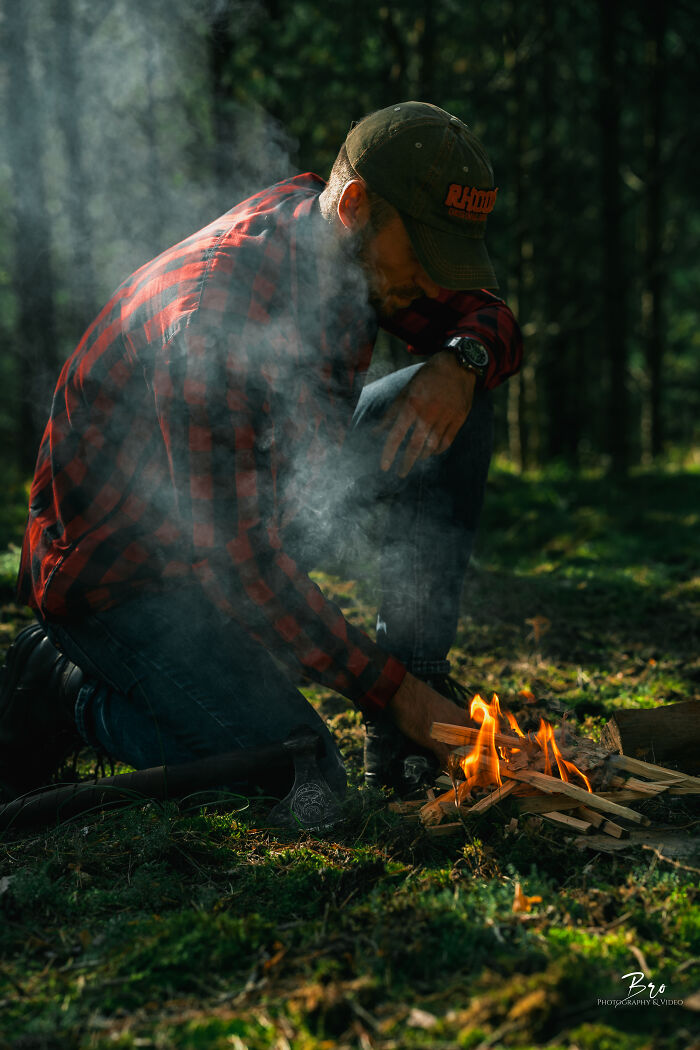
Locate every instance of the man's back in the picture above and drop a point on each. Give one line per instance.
(106, 466)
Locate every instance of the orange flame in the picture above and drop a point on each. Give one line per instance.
(514, 725)
(482, 765)
(545, 738)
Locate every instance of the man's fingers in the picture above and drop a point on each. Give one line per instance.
(447, 438)
(420, 441)
(436, 442)
(394, 440)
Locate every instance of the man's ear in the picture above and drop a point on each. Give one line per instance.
(353, 205)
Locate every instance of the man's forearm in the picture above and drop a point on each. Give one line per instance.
(415, 706)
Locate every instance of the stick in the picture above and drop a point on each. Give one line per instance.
(679, 787)
(647, 787)
(581, 826)
(432, 812)
(523, 760)
(491, 800)
(445, 829)
(545, 803)
(553, 786)
(627, 796)
(646, 769)
(457, 735)
(602, 823)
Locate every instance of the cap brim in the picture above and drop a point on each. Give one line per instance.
(456, 262)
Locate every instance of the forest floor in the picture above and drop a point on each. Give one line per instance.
(168, 926)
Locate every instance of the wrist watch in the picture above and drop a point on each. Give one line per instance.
(470, 353)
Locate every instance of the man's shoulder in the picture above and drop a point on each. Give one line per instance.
(252, 238)
(289, 199)
(273, 209)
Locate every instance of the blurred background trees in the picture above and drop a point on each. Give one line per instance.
(127, 124)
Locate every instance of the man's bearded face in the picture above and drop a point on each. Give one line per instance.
(394, 275)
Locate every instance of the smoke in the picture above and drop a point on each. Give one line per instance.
(142, 120)
(116, 145)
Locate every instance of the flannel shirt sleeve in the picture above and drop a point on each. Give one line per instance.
(216, 424)
(427, 324)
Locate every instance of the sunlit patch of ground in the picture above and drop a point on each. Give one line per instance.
(162, 927)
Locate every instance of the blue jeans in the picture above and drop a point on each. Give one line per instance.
(170, 679)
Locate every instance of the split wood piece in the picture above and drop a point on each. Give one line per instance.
(541, 803)
(521, 761)
(649, 770)
(627, 796)
(456, 735)
(496, 796)
(406, 807)
(432, 812)
(553, 786)
(680, 787)
(647, 787)
(582, 827)
(545, 803)
(445, 829)
(668, 733)
(608, 827)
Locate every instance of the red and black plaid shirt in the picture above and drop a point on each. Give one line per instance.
(175, 421)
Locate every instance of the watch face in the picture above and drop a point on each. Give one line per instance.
(474, 353)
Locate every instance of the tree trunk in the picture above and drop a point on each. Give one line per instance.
(157, 209)
(520, 387)
(614, 268)
(427, 52)
(35, 329)
(69, 100)
(560, 380)
(221, 46)
(653, 292)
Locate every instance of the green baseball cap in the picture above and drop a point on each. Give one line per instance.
(435, 172)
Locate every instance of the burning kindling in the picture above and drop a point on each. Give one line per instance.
(568, 780)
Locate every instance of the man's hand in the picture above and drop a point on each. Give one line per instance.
(433, 407)
(415, 706)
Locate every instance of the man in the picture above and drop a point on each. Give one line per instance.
(209, 440)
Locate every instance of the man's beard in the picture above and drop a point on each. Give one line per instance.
(386, 301)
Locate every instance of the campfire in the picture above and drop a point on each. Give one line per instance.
(568, 780)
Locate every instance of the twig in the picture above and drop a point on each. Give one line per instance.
(669, 860)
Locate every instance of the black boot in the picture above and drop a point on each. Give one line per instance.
(393, 760)
(38, 690)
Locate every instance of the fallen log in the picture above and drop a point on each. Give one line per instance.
(661, 734)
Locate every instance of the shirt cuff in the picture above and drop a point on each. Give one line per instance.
(384, 688)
